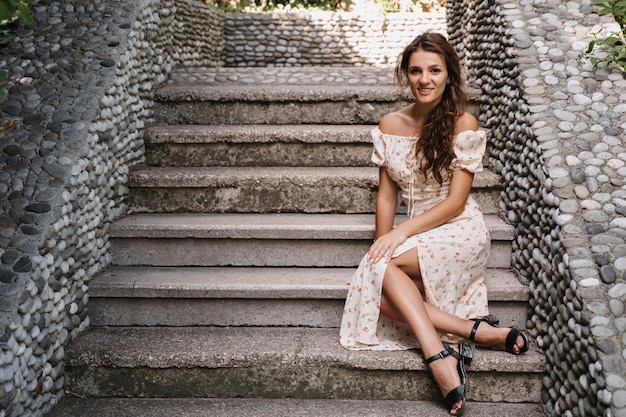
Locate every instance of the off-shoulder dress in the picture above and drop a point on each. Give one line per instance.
(452, 257)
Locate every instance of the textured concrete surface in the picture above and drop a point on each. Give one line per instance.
(275, 363)
(260, 240)
(116, 407)
(270, 226)
(229, 296)
(308, 189)
(202, 102)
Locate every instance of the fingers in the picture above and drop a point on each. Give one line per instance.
(380, 250)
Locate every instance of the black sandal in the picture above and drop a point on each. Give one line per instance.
(458, 393)
(511, 338)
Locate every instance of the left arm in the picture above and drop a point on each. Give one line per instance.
(440, 213)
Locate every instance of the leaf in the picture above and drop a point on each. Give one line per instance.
(605, 11)
(592, 45)
(6, 12)
(24, 12)
(612, 40)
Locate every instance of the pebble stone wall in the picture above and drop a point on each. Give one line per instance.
(558, 128)
(79, 92)
(322, 38)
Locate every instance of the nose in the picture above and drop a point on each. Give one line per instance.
(424, 78)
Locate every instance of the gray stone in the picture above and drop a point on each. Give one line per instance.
(607, 274)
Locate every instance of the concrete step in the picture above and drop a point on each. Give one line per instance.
(232, 296)
(259, 145)
(252, 407)
(289, 239)
(200, 97)
(273, 189)
(275, 104)
(273, 362)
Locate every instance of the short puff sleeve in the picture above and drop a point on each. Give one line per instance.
(379, 152)
(469, 148)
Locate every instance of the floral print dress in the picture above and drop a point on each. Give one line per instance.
(452, 257)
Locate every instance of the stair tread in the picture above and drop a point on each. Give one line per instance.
(260, 407)
(207, 176)
(187, 134)
(265, 226)
(212, 176)
(331, 75)
(257, 282)
(228, 347)
(276, 93)
(368, 83)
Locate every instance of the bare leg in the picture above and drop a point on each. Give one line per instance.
(402, 293)
(443, 321)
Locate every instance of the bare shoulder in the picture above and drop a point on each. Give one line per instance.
(396, 123)
(466, 122)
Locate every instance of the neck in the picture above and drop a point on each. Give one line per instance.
(420, 113)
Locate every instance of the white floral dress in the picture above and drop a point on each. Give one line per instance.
(452, 257)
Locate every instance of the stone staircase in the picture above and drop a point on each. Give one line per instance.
(229, 275)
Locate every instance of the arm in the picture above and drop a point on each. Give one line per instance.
(386, 203)
(442, 212)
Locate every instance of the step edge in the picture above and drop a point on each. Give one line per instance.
(265, 226)
(119, 348)
(201, 177)
(187, 282)
(238, 134)
(257, 407)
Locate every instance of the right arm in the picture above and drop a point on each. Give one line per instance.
(386, 203)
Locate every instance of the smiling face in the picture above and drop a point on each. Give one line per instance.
(427, 76)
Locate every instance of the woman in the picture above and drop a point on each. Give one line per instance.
(426, 275)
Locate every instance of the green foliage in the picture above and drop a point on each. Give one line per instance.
(615, 43)
(268, 5)
(11, 11)
(387, 6)
(271, 5)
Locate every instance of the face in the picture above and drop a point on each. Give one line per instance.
(428, 77)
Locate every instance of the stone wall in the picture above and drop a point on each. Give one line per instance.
(557, 129)
(322, 38)
(80, 81)
(80, 88)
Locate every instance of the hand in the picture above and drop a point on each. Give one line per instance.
(385, 245)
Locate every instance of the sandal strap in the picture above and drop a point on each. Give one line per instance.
(446, 352)
(511, 338)
(474, 329)
(466, 350)
(490, 319)
(437, 356)
(454, 396)
(452, 352)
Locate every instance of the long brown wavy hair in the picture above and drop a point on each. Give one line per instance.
(437, 134)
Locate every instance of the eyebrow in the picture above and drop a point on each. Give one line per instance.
(430, 67)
